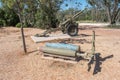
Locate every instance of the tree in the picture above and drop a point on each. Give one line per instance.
(8, 16)
(65, 14)
(111, 7)
(47, 12)
(26, 10)
(2, 21)
(30, 11)
(18, 6)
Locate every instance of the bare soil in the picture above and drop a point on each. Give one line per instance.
(15, 65)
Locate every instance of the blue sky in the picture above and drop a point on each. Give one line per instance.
(71, 4)
(0, 4)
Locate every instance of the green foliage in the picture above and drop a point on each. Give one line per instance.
(18, 25)
(111, 7)
(2, 23)
(34, 12)
(8, 17)
(20, 10)
(30, 11)
(46, 15)
(65, 14)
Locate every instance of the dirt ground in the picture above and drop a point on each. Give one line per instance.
(15, 65)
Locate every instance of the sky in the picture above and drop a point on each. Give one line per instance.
(0, 4)
(71, 4)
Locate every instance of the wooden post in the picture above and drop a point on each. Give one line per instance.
(23, 37)
(93, 43)
(92, 52)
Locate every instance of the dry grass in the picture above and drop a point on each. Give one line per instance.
(14, 65)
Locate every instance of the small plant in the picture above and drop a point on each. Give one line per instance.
(114, 26)
(2, 23)
(18, 25)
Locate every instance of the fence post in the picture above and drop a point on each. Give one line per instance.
(93, 43)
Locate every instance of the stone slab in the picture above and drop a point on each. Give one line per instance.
(51, 37)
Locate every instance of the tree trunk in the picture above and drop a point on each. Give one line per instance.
(92, 14)
(109, 14)
(22, 33)
(113, 22)
(112, 14)
(21, 21)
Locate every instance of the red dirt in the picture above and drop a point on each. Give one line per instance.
(14, 65)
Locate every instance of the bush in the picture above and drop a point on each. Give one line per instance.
(18, 25)
(2, 23)
(114, 26)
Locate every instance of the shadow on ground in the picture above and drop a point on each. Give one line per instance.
(73, 41)
(59, 64)
(98, 62)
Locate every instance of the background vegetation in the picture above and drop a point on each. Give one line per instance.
(48, 13)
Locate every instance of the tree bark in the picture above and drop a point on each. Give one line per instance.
(109, 14)
(112, 14)
(22, 30)
(23, 37)
(22, 34)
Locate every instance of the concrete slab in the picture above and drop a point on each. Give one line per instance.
(94, 24)
(51, 37)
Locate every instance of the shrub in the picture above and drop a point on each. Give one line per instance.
(2, 23)
(18, 25)
(114, 26)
